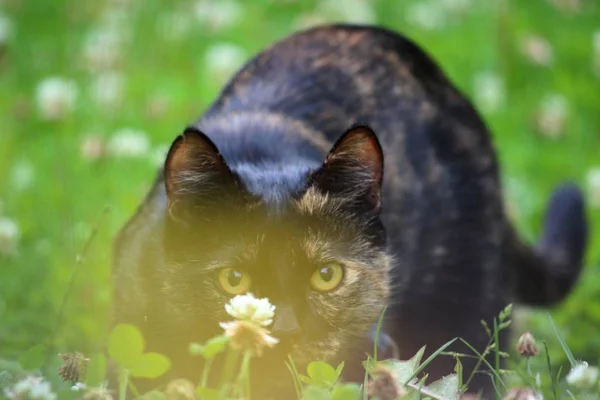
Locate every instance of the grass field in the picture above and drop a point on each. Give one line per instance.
(93, 92)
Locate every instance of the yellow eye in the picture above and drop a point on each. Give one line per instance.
(234, 281)
(327, 277)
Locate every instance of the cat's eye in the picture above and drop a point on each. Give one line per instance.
(234, 281)
(327, 277)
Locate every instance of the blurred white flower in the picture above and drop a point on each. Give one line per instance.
(249, 308)
(159, 155)
(9, 236)
(128, 143)
(92, 147)
(537, 50)
(571, 6)
(525, 393)
(174, 25)
(218, 15)
(246, 335)
(223, 60)
(56, 97)
(426, 14)
(457, 6)
(354, 11)
(103, 46)
(6, 28)
(552, 115)
(583, 376)
(308, 20)
(22, 175)
(31, 388)
(593, 185)
(107, 89)
(489, 92)
(79, 386)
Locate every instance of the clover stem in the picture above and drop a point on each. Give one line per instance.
(205, 372)
(123, 379)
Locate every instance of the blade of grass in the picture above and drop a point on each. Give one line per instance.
(552, 378)
(376, 341)
(562, 342)
(429, 359)
(295, 376)
(486, 362)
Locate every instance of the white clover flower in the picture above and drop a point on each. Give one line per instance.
(218, 15)
(92, 147)
(6, 28)
(538, 50)
(249, 308)
(593, 185)
(22, 175)
(128, 143)
(78, 387)
(159, 155)
(583, 376)
(31, 388)
(489, 92)
(552, 116)
(223, 59)
(457, 6)
(174, 25)
(9, 235)
(55, 97)
(427, 14)
(247, 335)
(353, 11)
(107, 89)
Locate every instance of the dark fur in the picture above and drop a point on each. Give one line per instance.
(456, 258)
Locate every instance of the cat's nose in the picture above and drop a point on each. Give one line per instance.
(285, 324)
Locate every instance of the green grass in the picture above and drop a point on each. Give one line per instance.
(57, 196)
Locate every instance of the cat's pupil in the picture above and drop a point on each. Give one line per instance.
(234, 278)
(326, 273)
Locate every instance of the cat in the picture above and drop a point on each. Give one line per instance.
(339, 172)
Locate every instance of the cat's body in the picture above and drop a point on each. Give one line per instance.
(453, 257)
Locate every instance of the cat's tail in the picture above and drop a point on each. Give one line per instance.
(545, 273)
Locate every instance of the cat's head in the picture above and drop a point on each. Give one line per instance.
(308, 237)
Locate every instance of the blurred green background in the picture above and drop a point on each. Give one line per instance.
(93, 92)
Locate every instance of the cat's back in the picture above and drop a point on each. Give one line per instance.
(330, 77)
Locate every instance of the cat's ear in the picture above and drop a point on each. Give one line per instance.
(195, 172)
(354, 168)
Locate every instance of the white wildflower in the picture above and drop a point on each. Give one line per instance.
(128, 143)
(426, 14)
(583, 376)
(22, 175)
(174, 25)
(457, 6)
(223, 59)
(218, 15)
(249, 308)
(309, 20)
(523, 394)
(31, 388)
(489, 92)
(159, 155)
(351, 11)
(92, 147)
(247, 335)
(103, 46)
(79, 386)
(107, 89)
(593, 185)
(6, 28)
(9, 235)
(55, 97)
(537, 50)
(552, 115)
